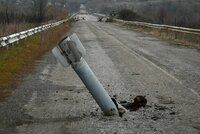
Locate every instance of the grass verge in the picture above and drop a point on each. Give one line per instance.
(185, 39)
(15, 60)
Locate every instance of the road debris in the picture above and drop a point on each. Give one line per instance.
(121, 110)
(139, 101)
(65, 99)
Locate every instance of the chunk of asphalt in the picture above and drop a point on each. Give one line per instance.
(139, 101)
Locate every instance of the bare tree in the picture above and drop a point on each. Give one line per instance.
(39, 9)
(161, 15)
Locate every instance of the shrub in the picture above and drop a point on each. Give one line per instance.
(127, 14)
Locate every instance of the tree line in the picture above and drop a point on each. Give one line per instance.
(31, 11)
(185, 13)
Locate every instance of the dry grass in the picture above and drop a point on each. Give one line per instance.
(15, 60)
(185, 39)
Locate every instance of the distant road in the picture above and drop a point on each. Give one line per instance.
(53, 100)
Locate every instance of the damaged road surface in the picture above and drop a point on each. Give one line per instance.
(52, 99)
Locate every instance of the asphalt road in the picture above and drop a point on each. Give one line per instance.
(52, 99)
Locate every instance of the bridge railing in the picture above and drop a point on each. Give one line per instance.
(160, 26)
(10, 39)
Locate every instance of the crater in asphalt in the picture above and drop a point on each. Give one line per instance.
(139, 101)
(153, 111)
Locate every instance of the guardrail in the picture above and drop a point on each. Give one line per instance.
(159, 26)
(5, 41)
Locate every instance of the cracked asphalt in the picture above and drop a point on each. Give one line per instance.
(53, 100)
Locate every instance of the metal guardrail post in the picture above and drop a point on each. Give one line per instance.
(71, 52)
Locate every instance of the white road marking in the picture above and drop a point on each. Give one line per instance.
(33, 97)
(192, 90)
(45, 73)
(31, 101)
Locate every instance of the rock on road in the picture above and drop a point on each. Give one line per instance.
(52, 99)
